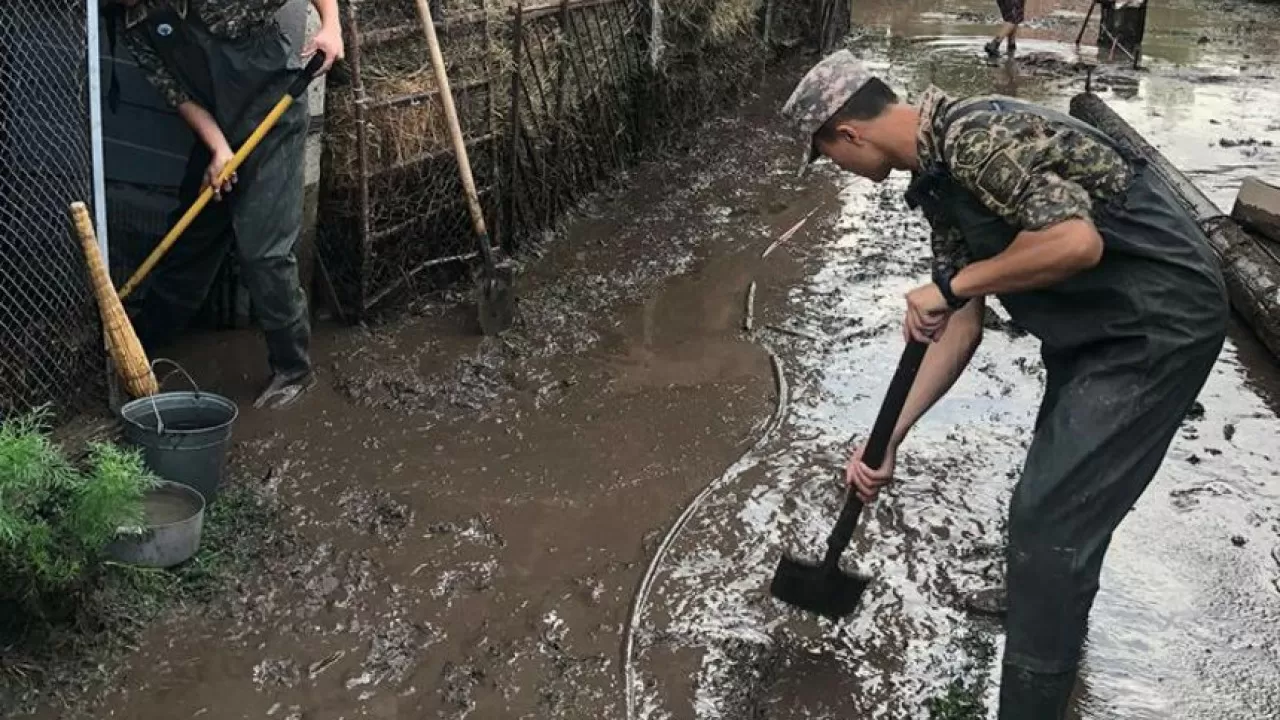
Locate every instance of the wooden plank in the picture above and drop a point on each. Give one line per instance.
(551, 8)
(1258, 208)
(406, 31)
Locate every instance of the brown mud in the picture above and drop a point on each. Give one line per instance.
(1186, 623)
(468, 520)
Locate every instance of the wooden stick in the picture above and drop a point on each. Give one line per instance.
(789, 233)
(750, 319)
(455, 129)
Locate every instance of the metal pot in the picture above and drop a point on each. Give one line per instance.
(174, 517)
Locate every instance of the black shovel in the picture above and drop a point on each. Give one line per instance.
(825, 589)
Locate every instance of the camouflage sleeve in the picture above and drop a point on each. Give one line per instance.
(1012, 171)
(154, 68)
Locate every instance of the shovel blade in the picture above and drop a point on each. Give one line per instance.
(495, 300)
(831, 594)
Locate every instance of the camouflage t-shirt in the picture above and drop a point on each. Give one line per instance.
(229, 19)
(1026, 169)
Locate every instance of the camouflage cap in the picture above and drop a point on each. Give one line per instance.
(821, 92)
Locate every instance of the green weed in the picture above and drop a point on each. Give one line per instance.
(962, 701)
(71, 613)
(56, 518)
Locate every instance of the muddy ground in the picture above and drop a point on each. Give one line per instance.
(480, 528)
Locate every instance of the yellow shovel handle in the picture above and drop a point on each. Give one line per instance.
(206, 195)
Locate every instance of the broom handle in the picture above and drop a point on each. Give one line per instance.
(93, 254)
(877, 446)
(296, 89)
(455, 130)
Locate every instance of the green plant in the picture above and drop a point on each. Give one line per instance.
(55, 519)
(963, 701)
(963, 698)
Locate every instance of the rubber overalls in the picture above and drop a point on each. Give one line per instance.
(238, 82)
(1127, 346)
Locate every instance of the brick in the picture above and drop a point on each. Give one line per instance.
(1258, 208)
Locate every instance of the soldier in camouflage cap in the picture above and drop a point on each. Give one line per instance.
(223, 64)
(821, 94)
(1093, 255)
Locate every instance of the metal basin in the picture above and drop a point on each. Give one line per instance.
(174, 517)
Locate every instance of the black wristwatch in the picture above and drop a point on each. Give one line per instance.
(942, 278)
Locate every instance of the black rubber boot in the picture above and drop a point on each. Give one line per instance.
(289, 350)
(290, 360)
(989, 602)
(1012, 47)
(1025, 695)
(992, 48)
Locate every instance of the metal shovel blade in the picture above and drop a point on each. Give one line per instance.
(830, 593)
(495, 300)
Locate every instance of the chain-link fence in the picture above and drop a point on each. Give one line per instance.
(50, 339)
(394, 208)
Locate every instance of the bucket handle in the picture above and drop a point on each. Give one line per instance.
(176, 369)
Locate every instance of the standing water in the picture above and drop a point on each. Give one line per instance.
(1187, 623)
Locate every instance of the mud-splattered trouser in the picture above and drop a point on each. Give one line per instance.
(1127, 346)
(1012, 11)
(238, 81)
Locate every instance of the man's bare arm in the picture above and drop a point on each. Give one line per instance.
(205, 127)
(1035, 259)
(329, 39)
(943, 364)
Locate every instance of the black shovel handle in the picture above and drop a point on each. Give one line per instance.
(877, 445)
(303, 80)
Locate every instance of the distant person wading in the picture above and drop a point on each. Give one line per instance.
(1013, 13)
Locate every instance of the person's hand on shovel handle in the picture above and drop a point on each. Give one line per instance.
(221, 157)
(329, 43)
(865, 481)
(927, 315)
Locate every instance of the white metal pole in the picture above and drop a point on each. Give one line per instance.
(95, 127)
(93, 43)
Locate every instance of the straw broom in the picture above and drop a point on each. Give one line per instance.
(122, 342)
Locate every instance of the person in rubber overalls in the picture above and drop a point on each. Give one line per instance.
(1092, 253)
(223, 65)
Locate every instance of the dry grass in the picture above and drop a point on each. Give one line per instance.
(394, 136)
(405, 134)
(716, 22)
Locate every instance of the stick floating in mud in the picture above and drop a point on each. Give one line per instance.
(795, 333)
(791, 232)
(750, 320)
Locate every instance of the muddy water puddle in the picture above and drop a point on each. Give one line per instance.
(1185, 625)
(467, 521)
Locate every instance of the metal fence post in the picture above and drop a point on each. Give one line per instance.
(94, 59)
